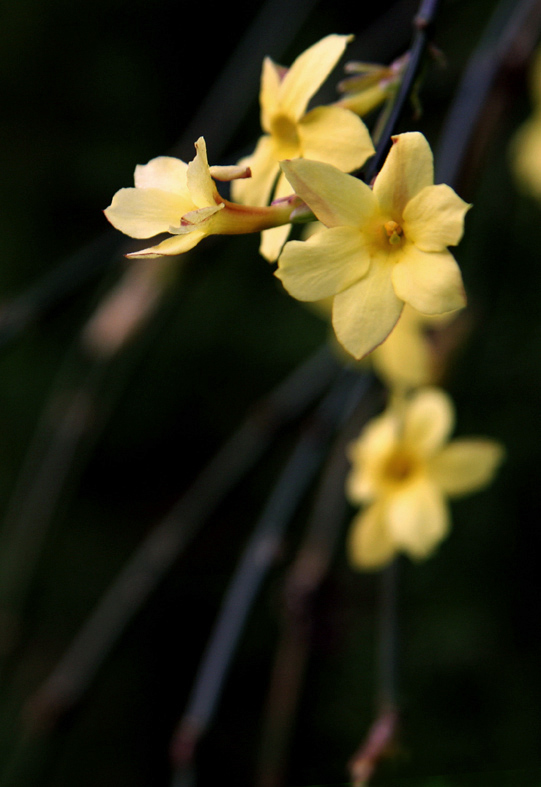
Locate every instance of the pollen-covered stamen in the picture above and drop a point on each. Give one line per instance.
(394, 232)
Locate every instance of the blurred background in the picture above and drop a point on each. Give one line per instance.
(100, 437)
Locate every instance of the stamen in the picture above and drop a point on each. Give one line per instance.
(394, 232)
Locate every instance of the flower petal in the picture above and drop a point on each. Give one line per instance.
(434, 218)
(465, 466)
(308, 73)
(369, 545)
(404, 359)
(407, 170)
(265, 169)
(335, 198)
(271, 79)
(365, 313)
(143, 213)
(170, 247)
(428, 420)
(200, 183)
(431, 282)
(165, 173)
(336, 136)
(367, 454)
(418, 518)
(325, 264)
(272, 241)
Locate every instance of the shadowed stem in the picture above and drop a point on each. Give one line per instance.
(258, 556)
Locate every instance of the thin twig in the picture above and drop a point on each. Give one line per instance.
(303, 580)
(423, 24)
(162, 547)
(258, 556)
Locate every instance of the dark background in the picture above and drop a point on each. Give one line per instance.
(87, 91)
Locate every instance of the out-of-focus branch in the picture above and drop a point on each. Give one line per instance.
(163, 546)
(301, 586)
(258, 556)
(505, 48)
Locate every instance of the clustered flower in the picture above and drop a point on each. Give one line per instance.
(379, 263)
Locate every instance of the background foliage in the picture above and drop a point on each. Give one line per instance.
(87, 91)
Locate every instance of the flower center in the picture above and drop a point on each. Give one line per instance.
(399, 467)
(285, 136)
(394, 232)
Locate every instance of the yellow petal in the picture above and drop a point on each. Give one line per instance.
(365, 313)
(418, 518)
(335, 136)
(367, 455)
(165, 173)
(170, 247)
(200, 183)
(334, 197)
(465, 466)
(408, 169)
(265, 169)
(428, 420)
(272, 241)
(143, 213)
(325, 264)
(271, 79)
(431, 282)
(404, 359)
(434, 218)
(369, 544)
(308, 72)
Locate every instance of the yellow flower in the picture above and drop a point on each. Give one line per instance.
(526, 144)
(408, 358)
(331, 134)
(384, 246)
(182, 200)
(403, 471)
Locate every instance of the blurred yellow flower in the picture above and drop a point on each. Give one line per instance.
(408, 358)
(331, 134)
(384, 246)
(526, 144)
(181, 199)
(403, 470)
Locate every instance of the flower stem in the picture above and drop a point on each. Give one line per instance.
(423, 23)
